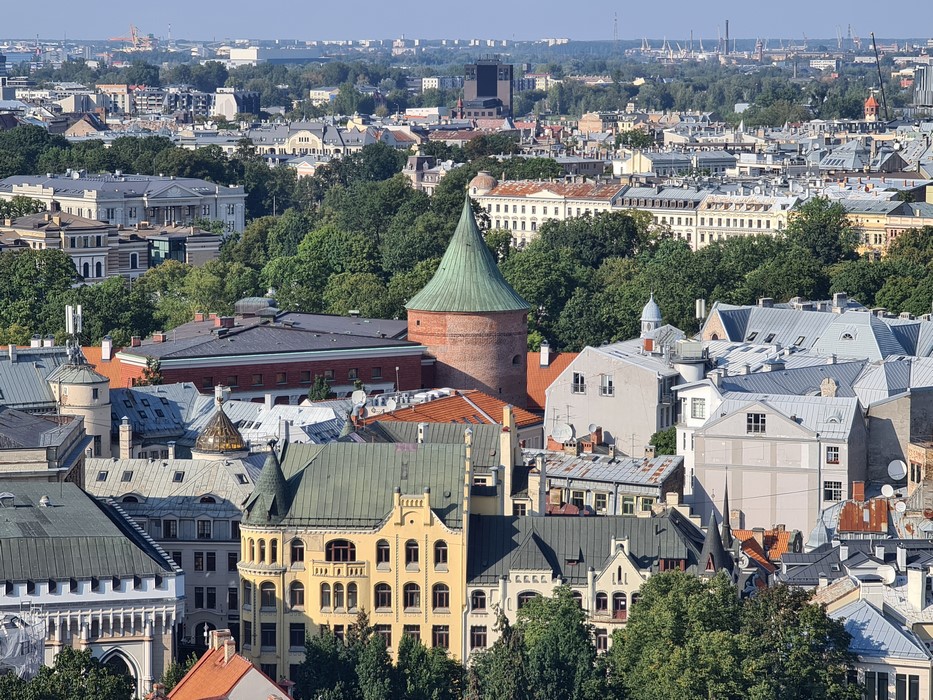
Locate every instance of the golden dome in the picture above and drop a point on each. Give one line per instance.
(219, 435)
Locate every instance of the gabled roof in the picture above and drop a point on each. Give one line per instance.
(540, 377)
(468, 279)
(213, 678)
(876, 636)
(463, 407)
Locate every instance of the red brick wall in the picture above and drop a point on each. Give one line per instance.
(476, 351)
(409, 374)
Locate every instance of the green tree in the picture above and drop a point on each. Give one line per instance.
(427, 674)
(75, 675)
(822, 227)
(319, 390)
(20, 206)
(175, 671)
(665, 441)
(501, 672)
(356, 291)
(152, 373)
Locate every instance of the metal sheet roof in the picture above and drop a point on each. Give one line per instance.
(875, 636)
(606, 469)
(832, 418)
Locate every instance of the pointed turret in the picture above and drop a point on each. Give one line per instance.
(348, 428)
(268, 503)
(468, 279)
(713, 556)
(726, 521)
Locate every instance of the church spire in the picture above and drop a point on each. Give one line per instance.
(726, 520)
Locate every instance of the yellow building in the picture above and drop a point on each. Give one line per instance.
(337, 529)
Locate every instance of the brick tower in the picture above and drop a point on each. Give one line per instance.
(871, 108)
(471, 320)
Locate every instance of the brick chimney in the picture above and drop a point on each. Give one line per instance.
(136, 341)
(858, 491)
(199, 316)
(229, 650)
(158, 337)
(126, 439)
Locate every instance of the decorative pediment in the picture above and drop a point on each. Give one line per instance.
(173, 192)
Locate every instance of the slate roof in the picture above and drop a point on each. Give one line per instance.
(485, 437)
(800, 381)
(352, 484)
(605, 469)
(569, 546)
(468, 279)
(875, 636)
(124, 185)
(75, 537)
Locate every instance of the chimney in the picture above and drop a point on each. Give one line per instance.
(135, 341)
(225, 322)
(106, 348)
(158, 337)
(48, 341)
(916, 587)
(11, 350)
(858, 491)
(229, 650)
(766, 302)
(126, 439)
(267, 402)
(171, 449)
(199, 316)
(422, 428)
(35, 341)
(541, 464)
(840, 302)
(212, 317)
(759, 534)
(545, 353)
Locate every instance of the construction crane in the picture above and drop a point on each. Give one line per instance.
(856, 41)
(135, 41)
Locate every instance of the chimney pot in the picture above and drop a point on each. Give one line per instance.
(136, 341)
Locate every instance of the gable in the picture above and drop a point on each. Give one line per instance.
(173, 191)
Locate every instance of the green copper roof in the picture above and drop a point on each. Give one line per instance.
(268, 503)
(468, 279)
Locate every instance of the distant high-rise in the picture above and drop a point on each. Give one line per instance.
(923, 86)
(487, 89)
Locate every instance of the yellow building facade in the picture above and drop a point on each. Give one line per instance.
(336, 530)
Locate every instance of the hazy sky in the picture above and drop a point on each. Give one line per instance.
(322, 19)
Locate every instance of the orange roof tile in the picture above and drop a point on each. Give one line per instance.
(754, 551)
(210, 677)
(777, 542)
(584, 190)
(463, 407)
(540, 378)
(112, 369)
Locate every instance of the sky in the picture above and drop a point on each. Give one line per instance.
(383, 19)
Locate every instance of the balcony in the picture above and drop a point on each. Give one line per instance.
(577, 388)
(340, 569)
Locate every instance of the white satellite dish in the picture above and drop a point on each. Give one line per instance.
(887, 490)
(358, 397)
(391, 405)
(897, 469)
(900, 506)
(592, 428)
(562, 432)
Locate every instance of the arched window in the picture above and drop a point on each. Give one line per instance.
(134, 261)
(635, 597)
(411, 597)
(247, 595)
(262, 551)
(274, 552)
(267, 596)
(98, 270)
(602, 603)
(325, 596)
(382, 598)
(296, 595)
(208, 499)
(252, 550)
(340, 550)
(440, 597)
(411, 553)
(118, 664)
(298, 551)
(478, 600)
(338, 596)
(130, 499)
(578, 598)
(619, 606)
(523, 598)
(352, 597)
(86, 270)
(382, 554)
(517, 360)
(440, 555)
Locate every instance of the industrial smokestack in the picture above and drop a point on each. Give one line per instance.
(727, 38)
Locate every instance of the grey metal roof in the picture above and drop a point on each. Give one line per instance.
(352, 484)
(876, 636)
(569, 546)
(74, 537)
(832, 418)
(485, 437)
(801, 381)
(27, 430)
(606, 469)
(24, 383)
(122, 186)
(806, 569)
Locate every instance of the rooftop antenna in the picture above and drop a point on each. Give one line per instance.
(73, 326)
(615, 27)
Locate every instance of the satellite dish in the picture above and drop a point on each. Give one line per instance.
(391, 405)
(358, 397)
(900, 506)
(887, 490)
(592, 428)
(562, 432)
(897, 469)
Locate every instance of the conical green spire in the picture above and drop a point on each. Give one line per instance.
(268, 503)
(468, 279)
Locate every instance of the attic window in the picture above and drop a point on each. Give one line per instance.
(799, 341)
(242, 478)
(178, 477)
(848, 336)
(769, 337)
(126, 476)
(127, 403)
(752, 336)
(145, 402)
(208, 499)
(142, 414)
(102, 476)
(130, 499)
(160, 413)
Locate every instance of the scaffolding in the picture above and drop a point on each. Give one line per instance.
(22, 643)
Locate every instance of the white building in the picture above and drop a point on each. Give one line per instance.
(91, 576)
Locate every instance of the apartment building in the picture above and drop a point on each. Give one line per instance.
(725, 216)
(671, 208)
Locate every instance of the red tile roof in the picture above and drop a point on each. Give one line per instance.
(776, 542)
(463, 407)
(210, 677)
(579, 190)
(112, 369)
(540, 378)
